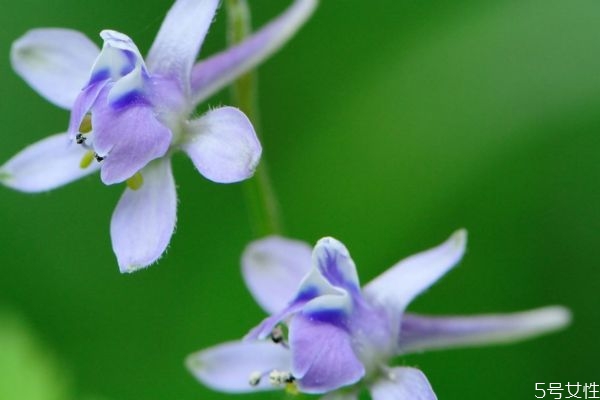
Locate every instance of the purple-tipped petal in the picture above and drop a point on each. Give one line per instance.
(228, 367)
(55, 62)
(402, 383)
(425, 333)
(223, 145)
(334, 262)
(399, 285)
(218, 71)
(177, 43)
(144, 220)
(273, 269)
(45, 165)
(128, 139)
(322, 356)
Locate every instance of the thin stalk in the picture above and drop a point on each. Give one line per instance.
(262, 203)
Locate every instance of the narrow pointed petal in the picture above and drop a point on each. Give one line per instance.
(229, 366)
(45, 165)
(399, 285)
(179, 39)
(223, 145)
(218, 71)
(334, 262)
(144, 220)
(424, 333)
(403, 383)
(55, 62)
(128, 139)
(273, 269)
(322, 356)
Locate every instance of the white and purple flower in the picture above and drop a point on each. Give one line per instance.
(131, 115)
(326, 335)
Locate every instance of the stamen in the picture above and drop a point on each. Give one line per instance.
(255, 378)
(79, 138)
(98, 158)
(135, 182)
(277, 335)
(86, 125)
(87, 159)
(292, 388)
(279, 378)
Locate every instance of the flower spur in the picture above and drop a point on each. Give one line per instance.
(327, 335)
(131, 115)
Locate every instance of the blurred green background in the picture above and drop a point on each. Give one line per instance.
(386, 124)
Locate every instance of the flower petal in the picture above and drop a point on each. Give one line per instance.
(55, 62)
(223, 145)
(45, 165)
(144, 220)
(399, 285)
(218, 71)
(228, 366)
(273, 269)
(334, 262)
(403, 383)
(177, 43)
(128, 139)
(424, 333)
(322, 356)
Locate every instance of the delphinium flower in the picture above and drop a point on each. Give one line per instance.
(130, 114)
(327, 335)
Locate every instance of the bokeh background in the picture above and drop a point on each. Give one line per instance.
(386, 124)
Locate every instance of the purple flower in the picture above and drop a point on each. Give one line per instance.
(327, 335)
(131, 115)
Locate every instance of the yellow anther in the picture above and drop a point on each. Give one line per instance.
(135, 182)
(292, 388)
(87, 159)
(86, 124)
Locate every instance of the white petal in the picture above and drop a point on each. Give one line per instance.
(424, 333)
(45, 165)
(399, 285)
(403, 384)
(229, 366)
(55, 62)
(223, 145)
(182, 32)
(273, 269)
(218, 71)
(144, 220)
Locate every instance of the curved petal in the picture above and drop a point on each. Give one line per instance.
(218, 71)
(128, 139)
(273, 269)
(229, 366)
(55, 62)
(424, 333)
(403, 383)
(45, 165)
(334, 262)
(399, 285)
(322, 356)
(223, 145)
(180, 37)
(144, 220)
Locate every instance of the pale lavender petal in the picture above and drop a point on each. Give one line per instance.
(334, 262)
(144, 220)
(273, 269)
(82, 106)
(322, 356)
(399, 285)
(128, 139)
(119, 56)
(402, 383)
(425, 333)
(177, 43)
(218, 71)
(55, 62)
(223, 145)
(229, 366)
(45, 165)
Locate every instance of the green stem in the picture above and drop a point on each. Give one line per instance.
(260, 196)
